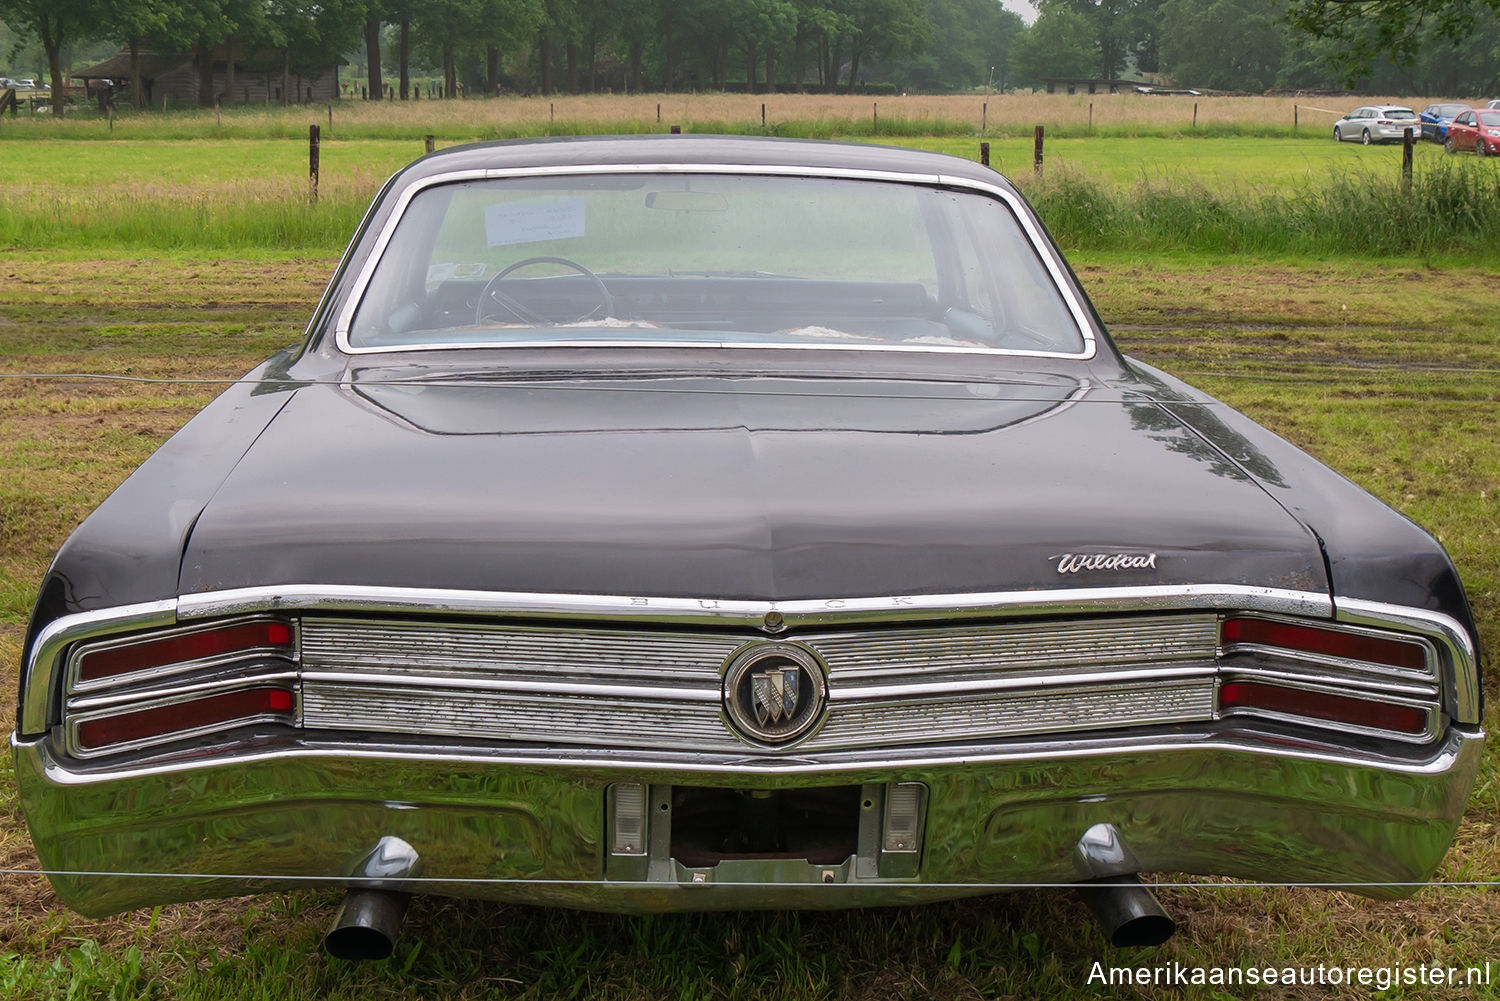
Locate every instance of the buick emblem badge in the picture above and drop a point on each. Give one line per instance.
(774, 693)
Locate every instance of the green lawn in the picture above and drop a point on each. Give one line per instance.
(194, 260)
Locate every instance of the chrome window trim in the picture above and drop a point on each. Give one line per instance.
(1044, 251)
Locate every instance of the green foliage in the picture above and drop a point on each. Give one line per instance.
(1059, 44)
(1450, 210)
(1197, 50)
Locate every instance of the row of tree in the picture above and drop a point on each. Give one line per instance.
(929, 45)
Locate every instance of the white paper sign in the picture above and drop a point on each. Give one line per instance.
(530, 222)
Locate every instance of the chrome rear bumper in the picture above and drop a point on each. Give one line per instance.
(530, 826)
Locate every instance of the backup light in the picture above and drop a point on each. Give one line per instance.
(1326, 642)
(1323, 706)
(903, 816)
(203, 644)
(243, 706)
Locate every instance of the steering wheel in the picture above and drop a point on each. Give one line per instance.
(493, 296)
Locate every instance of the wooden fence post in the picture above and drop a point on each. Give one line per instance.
(1036, 152)
(1294, 118)
(677, 130)
(1195, 114)
(312, 164)
(1408, 143)
(984, 117)
(1091, 116)
(984, 154)
(430, 142)
(763, 116)
(874, 116)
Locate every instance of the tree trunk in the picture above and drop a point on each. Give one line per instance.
(799, 64)
(771, 69)
(637, 52)
(137, 87)
(286, 75)
(203, 55)
(544, 48)
(450, 71)
(592, 51)
(751, 59)
(570, 53)
(492, 70)
(671, 67)
(229, 68)
(373, 76)
(52, 43)
(405, 57)
(854, 65)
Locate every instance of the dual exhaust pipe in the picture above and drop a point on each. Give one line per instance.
(369, 920)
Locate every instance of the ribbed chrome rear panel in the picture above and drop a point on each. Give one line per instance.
(620, 688)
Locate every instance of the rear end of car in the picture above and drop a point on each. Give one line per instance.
(641, 584)
(630, 755)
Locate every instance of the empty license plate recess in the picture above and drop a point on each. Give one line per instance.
(705, 834)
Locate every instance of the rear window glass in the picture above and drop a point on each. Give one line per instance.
(712, 258)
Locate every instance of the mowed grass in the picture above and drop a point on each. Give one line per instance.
(1267, 197)
(1376, 367)
(146, 166)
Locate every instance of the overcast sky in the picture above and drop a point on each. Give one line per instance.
(1027, 12)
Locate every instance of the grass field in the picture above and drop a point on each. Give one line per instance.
(1386, 368)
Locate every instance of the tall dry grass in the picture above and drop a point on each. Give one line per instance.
(818, 115)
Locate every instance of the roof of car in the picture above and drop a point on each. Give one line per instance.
(749, 151)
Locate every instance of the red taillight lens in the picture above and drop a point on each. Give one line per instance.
(1327, 642)
(1322, 706)
(196, 714)
(201, 645)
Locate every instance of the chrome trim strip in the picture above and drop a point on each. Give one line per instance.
(1048, 255)
(1439, 759)
(470, 683)
(1460, 678)
(751, 612)
(44, 660)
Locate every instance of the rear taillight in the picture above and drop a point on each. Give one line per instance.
(272, 636)
(153, 688)
(1349, 677)
(1301, 702)
(198, 715)
(1322, 642)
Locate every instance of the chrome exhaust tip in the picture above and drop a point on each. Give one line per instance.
(366, 925)
(369, 919)
(1128, 913)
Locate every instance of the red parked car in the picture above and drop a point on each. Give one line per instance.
(1476, 130)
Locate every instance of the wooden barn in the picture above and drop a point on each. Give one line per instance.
(173, 79)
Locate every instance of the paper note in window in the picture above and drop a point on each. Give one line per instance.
(532, 222)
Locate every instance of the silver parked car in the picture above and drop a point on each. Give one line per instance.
(1376, 123)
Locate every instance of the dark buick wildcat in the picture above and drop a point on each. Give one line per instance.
(689, 523)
